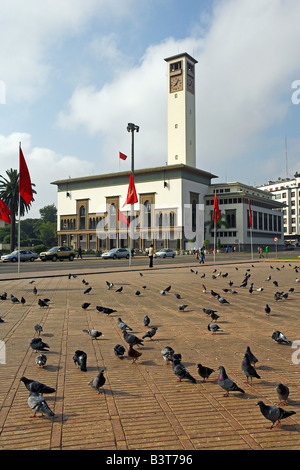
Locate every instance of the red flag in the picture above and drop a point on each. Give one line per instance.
(123, 218)
(216, 211)
(5, 212)
(250, 214)
(25, 187)
(122, 156)
(131, 194)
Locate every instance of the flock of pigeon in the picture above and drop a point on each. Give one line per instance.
(133, 343)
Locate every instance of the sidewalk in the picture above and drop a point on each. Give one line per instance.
(142, 406)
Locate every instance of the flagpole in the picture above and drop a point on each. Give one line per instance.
(251, 242)
(131, 128)
(19, 224)
(215, 242)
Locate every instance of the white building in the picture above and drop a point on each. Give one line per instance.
(287, 191)
(174, 200)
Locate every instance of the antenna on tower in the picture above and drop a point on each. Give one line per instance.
(286, 158)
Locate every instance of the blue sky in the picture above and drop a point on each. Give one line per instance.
(76, 72)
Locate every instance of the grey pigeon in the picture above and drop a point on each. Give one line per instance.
(38, 345)
(42, 303)
(204, 372)
(38, 329)
(122, 325)
(167, 354)
(41, 360)
(119, 350)
(253, 359)
(279, 338)
(181, 308)
(248, 369)
(94, 334)
(226, 383)
(222, 300)
(181, 372)
(213, 327)
(150, 333)
(35, 386)
(178, 296)
(282, 392)
(273, 413)
(209, 311)
(98, 381)
(38, 404)
(80, 359)
(132, 339)
(146, 320)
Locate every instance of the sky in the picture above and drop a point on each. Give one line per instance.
(74, 73)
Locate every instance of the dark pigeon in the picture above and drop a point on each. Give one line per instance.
(98, 381)
(181, 372)
(226, 383)
(248, 369)
(204, 372)
(80, 359)
(36, 387)
(273, 413)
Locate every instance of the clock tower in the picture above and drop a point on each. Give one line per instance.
(181, 110)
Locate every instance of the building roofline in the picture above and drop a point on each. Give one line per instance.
(183, 54)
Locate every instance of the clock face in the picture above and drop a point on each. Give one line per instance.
(176, 83)
(190, 84)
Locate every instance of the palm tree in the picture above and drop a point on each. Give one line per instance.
(9, 193)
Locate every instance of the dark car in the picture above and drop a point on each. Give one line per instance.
(289, 247)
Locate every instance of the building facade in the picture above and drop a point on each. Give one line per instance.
(174, 201)
(287, 191)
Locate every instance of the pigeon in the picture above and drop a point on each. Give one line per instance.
(133, 353)
(1, 320)
(34, 290)
(178, 296)
(269, 278)
(150, 333)
(42, 303)
(36, 387)
(141, 274)
(167, 289)
(23, 301)
(209, 311)
(79, 359)
(41, 360)
(167, 354)
(98, 381)
(260, 289)
(251, 288)
(214, 316)
(88, 290)
(162, 292)
(253, 360)
(38, 329)
(267, 309)
(132, 339)
(110, 285)
(137, 292)
(213, 327)
(181, 372)
(248, 369)
(146, 320)
(14, 299)
(282, 392)
(106, 310)
(226, 383)
(38, 404)
(275, 283)
(222, 300)
(122, 325)
(119, 350)
(214, 294)
(38, 345)
(85, 305)
(279, 338)
(181, 308)
(3, 296)
(94, 334)
(204, 372)
(273, 413)
(120, 289)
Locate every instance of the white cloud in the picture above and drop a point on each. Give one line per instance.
(246, 62)
(44, 166)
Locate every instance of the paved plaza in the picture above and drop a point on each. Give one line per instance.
(142, 406)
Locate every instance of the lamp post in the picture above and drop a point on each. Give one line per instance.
(131, 128)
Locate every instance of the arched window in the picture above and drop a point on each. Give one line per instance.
(112, 216)
(147, 213)
(82, 217)
(194, 206)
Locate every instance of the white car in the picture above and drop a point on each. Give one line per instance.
(25, 255)
(115, 253)
(165, 253)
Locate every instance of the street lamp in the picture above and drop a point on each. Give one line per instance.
(131, 128)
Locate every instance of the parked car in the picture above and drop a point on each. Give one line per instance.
(25, 255)
(289, 247)
(165, 253)
(58, 252)
(115, 253)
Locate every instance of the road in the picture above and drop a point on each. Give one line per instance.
(93, 263)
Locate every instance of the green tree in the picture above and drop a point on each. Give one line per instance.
(9, 193)
(48, 233)
(49, 213)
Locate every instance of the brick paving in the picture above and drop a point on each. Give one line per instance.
(142, 406)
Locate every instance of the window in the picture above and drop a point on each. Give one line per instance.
(82, 218)
(112, 216)
(147, 214)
